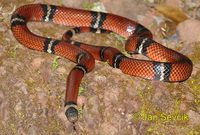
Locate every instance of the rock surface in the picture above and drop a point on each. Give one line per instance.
(110, 102)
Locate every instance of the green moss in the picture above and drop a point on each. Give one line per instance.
(55, 64)
(146, 107)
(196, 55)
(118, 37)
(49, 31)
(194, 84)
(177, 103)
(118, 41)
(146, 90)
(193, 132)
(53, 125)
(13, 52)
(80, 112)
(13, 128)
(153, 130)
(30, 83)
(87, 5)
(81, 90)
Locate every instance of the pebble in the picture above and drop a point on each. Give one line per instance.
(189, 31)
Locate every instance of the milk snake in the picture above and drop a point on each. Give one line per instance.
(166, 65)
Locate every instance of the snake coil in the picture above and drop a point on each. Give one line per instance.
(165, 64)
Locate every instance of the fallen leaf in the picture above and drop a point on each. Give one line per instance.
(172, 13)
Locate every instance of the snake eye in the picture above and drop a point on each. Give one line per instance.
(72, 114)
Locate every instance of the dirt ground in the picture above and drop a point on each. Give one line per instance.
(32, 84)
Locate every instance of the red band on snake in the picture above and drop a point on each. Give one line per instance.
(165, 64)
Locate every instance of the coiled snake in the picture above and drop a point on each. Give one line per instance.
(165, 65)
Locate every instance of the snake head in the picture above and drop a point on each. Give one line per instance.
(71, 114)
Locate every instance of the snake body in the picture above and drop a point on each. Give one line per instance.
(165, 64)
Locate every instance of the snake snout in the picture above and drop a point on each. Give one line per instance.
(72, 114)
